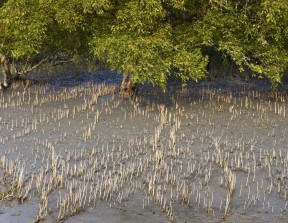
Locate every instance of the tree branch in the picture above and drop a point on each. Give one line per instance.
(29, 69)
(59, 62)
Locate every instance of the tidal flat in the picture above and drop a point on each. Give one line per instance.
(207, 152)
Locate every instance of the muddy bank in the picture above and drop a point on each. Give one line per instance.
(73, 151)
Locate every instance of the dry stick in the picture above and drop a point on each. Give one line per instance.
(230, 179)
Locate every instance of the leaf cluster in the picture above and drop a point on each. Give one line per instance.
(151, 39)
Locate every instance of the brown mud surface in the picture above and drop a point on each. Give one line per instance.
(72, 151)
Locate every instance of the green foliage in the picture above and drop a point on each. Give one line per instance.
(143, 42)
(23, 27)
(151, 39)
(253, 34)
(143, 56)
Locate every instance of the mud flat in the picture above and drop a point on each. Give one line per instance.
(204, 153)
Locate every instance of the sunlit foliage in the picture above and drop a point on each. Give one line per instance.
(152, 39)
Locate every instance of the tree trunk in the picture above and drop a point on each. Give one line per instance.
(126, 88)
(6, 71)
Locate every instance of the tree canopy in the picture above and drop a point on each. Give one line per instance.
(149, 40)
